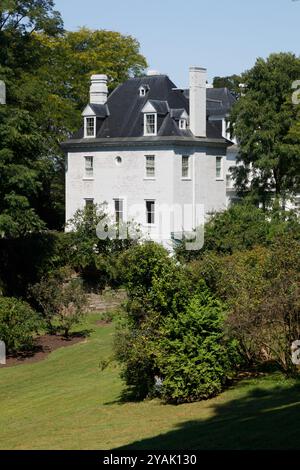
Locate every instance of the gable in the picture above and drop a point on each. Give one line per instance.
(148, 108)
(88, 111)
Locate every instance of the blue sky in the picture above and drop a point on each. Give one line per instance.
(226, 36)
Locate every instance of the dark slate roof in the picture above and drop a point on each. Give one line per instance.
(219, 101)
(161, 107)
(101, 110)
(176, 113)
(125, 104)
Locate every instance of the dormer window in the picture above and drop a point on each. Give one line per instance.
(150, 124)
(90, 127)
(143, 90)
(182, 124)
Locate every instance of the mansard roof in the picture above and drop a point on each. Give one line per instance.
(219, 101)
(122, 116)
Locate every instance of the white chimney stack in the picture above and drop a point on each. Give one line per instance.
(98, 90)
(198, 101)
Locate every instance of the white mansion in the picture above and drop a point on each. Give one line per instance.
(150, 147)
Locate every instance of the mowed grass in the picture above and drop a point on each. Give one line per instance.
(67, 402)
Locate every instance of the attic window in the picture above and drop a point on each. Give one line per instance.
(182, 124)
(90, 127)
(150, 124)
(143, 90)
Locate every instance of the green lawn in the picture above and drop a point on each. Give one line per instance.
(66, 402)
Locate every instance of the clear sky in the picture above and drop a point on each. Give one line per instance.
(226, 36)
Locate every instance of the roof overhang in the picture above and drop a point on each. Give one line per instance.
(77, 144)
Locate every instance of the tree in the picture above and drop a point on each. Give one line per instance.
(241, 227)
(95, 258)
(75, 56)
(20, 57)
(265, 123)
(231, 82)
(21, 165)
(261, 289)
(47, 73)
(27, 16)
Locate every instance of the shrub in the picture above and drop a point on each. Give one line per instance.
(261, 290)
(194, 358)
(165, 335)
(71, 306)
(134, 347)
(96, 259)
(156, 287)
(60, 300)
(188, 352)
(242, 227)
(18, 323)
(154, 281)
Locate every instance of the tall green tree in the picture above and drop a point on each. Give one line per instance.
(47, 72)
(232, 82)
(265, 122)
(24, 164)
(27, 16)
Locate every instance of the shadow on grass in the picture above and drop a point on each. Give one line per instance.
(82, 333)
(259, 419)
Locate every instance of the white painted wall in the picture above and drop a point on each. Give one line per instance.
(128, 181)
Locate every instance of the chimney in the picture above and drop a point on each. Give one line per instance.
(198, 101)
(98, 90)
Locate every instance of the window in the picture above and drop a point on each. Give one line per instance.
(89, 167)
(89, 203)
(185, 166)
(182, 124)
(229, 182)
(90, 127)
(150, 124)
(150, 212)
(119, 210)
(219, 169)
(150, 166)
(143, 90)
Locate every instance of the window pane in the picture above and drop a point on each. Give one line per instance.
(89, 203)
(182, 124)
(185, 166)
(119, 210)
(89, 166)
(150, 166)
(150, 212)
(219, 167)
(150, 123)
(90, 127)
